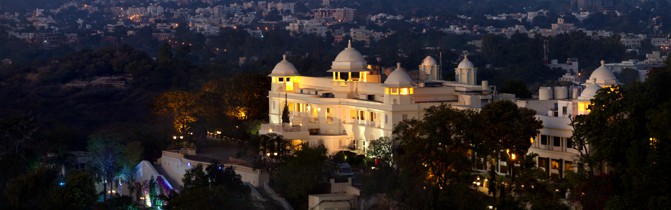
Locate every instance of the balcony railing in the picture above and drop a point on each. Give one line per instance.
(280, 128)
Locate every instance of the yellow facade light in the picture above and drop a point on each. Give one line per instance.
(289, 86)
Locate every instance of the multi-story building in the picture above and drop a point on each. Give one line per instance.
(356, 106)
(338, 14)
(555, 107)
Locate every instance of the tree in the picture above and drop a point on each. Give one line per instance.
(31, 190)
(76, 192)
(130, 157)
(180, 107)
(433, 160)
(104, 151)
(311, 162)
(273, 151)
(628, 76)
(43, 188)
(627, 131)
(381, 148)
(508, 129)
(517, 87)
(285, 113)
(214, 187)
(19, 130)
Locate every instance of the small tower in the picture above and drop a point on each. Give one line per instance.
(429, 70)
(398, 88)
(284, 76)
(466, 73)
(349, 66)
(285, 79)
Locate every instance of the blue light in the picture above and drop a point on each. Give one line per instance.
(62, 183)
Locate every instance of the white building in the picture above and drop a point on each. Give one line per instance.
(556, 106)
(354, 106)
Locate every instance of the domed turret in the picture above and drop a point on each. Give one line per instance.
(349, 60)
(602, 76)
(429, 61)
(284, 68)
(429, 69)
(398, 78)
(465, 64)
(466, 73)
(589, 92)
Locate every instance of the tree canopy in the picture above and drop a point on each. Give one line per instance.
(627, 130)
(213, 187)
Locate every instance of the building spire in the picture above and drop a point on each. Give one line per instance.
(349, 43)
(284, 57)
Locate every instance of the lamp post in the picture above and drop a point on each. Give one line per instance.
(512, 157)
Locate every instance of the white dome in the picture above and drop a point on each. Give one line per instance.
(284, 68)
(429, 61)
(465, 64)
(602, 76)
(589, 92)
(398, 78)
(349, 60)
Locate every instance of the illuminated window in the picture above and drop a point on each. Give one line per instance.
(394, 91)
(386, 90)
(555, 164)
(289, 85)
(404, 91)
(568, 166)
(292, 106)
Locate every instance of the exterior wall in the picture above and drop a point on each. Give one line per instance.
(175, 166)
(555, 154)
(331, 201)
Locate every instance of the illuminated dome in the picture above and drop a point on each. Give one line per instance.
(465, 64)
(398, 78)
(349, 60)
(589, 92)
(429, 61)
(284, 68)
(602, 76)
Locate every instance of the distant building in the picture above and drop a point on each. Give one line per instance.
(571, 65)
(338, 14)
